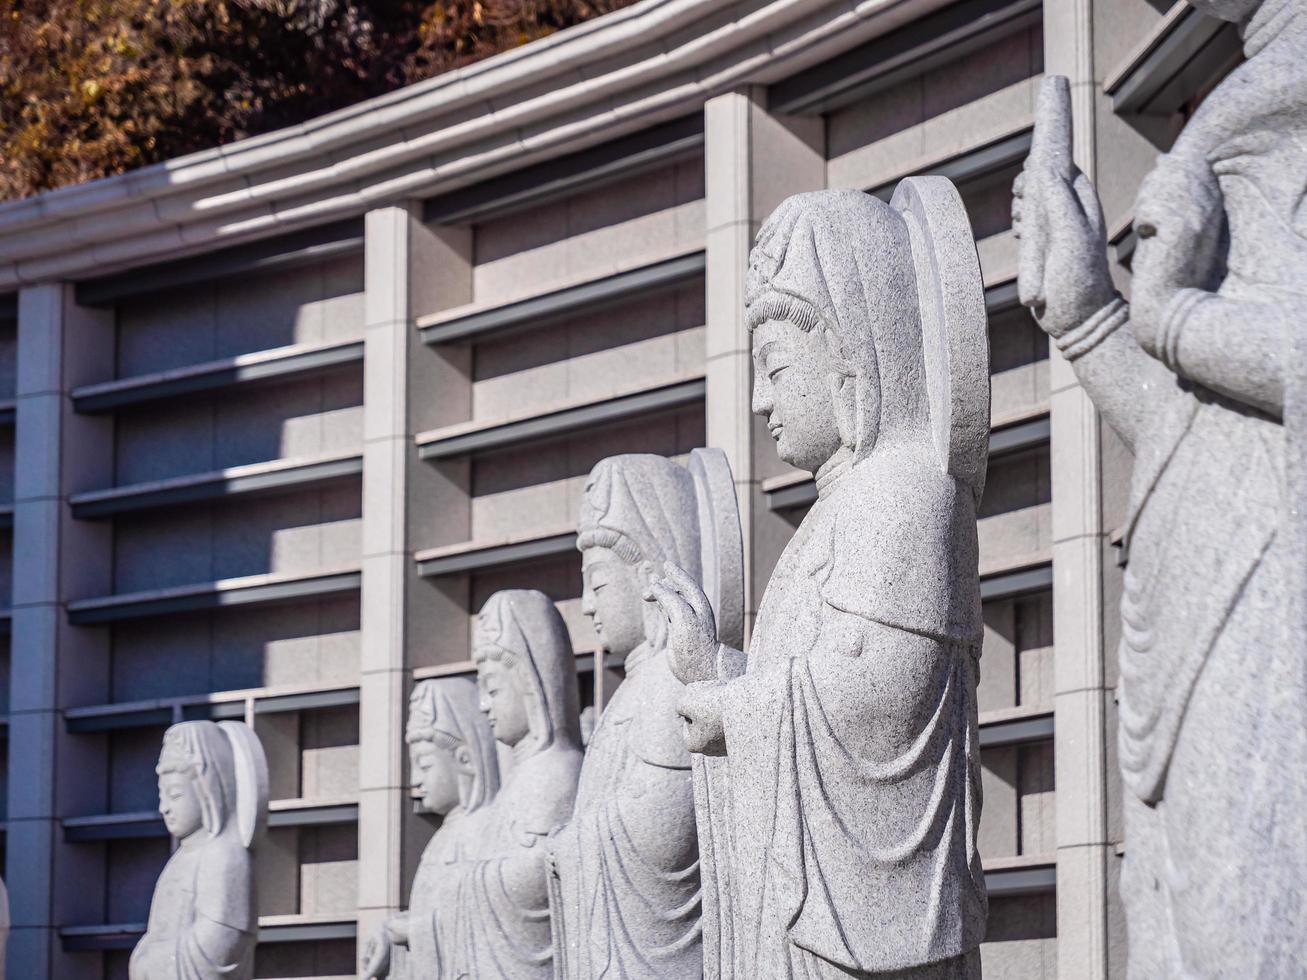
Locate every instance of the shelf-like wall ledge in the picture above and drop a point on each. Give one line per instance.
(1024, 874)
(6, 516)
(279, 475)
(474, 323)
(909, 52)
(477, 556)
(6, 621)
(1183, 54)
(159, 712)
(1016, 726)
(470, 438)
(8, 411)
(148, 823)
(1012, 434)
(272, 929)
(249, 590)
(585, 170)
(1011, 580)
(278, 363)
(976, 162)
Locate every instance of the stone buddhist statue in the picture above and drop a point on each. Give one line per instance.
(213, 795)
(848, 780)
(1203, 376)
(625, 896)
(498, 906)
(454, 764)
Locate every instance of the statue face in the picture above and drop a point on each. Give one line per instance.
(179, 804)
(503, 701)
(613, 597)
(435, 772)
(792, 372)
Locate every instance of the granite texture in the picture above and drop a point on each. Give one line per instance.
(454, 764)
(625, 890)
(213, 795)
(843, 832)
(497, 907)
(1203, 376)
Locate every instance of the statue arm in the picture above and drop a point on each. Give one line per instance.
(1124, 382)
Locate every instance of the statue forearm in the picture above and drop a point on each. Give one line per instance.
(1233, 347)
(1123, 381)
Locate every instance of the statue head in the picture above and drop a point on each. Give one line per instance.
(526, 670)
(212, 777)
(869, 329)
(451, 749)
(637, 511)
(831, 299)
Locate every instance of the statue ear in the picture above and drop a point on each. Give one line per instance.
(463, 755)
(647, 571)
(844, 398)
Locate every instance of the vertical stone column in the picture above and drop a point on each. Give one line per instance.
(387, 451)
(753, 160)
(53, 664)
(408, 270)
(1080, 697)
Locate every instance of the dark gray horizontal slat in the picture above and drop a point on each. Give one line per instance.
(311, 245)
(542, 310)
(101, 938)
(9, 308)
(89, 401)
(6, 519)
(1001, 297)
(308, 701)
(144, 718)
(1009, 585)
(266, 594)
(583, 170)
(308, 932)
(557, 424)
(120, 830)
(1177, 68)
(1019, 731)
(972, 164)
(502, 556)
(8, 413)
(1002, 442)
(316, 816)
(908, 52)
(292, 478)
(1011, 882)
(1015, 438)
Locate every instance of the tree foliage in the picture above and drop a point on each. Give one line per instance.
(95, 87)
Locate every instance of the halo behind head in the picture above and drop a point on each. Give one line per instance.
(251, 765)
(721, 543)
(955, 330)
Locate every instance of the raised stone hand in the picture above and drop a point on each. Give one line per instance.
(691, 625)
(1063, 275)
(1179, 219)
(374, 964)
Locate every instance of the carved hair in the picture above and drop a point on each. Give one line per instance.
(445, 712)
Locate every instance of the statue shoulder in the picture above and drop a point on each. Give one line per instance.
(902, 551)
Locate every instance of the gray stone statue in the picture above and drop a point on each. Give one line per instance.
(497, 906)
(625, 894)
(1203, 376)
(213, 795)
(454, 764)
(848, 785)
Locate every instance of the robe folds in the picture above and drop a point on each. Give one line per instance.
(838, 833)
(625, 873)
(207, 880)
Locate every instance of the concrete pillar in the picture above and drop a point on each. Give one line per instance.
(408, 270)
(1081, 694)
(60, 346)
(753, 160)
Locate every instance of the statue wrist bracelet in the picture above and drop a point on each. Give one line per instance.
(1174, 316)
(1101, 325)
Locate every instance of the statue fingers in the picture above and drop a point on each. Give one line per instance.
(674, 607)
(689, 590)
(1090, 206)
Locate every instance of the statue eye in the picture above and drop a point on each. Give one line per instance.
(775, 372)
